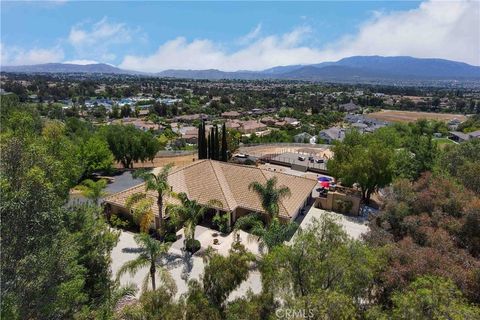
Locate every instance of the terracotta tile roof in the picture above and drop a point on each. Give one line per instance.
(206, 180)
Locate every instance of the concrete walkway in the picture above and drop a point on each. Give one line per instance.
(353, 226)
(181, 265)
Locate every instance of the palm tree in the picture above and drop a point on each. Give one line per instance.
(151, 253)
(141, 207)
(269, 236)
(270, 196)
(159, 183)
(188, 213)
(93, 190)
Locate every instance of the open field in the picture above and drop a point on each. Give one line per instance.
(411, 116)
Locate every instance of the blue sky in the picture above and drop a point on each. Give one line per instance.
(153, 36)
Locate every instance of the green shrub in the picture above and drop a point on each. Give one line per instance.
(170, 237)
(221, 221)
(192, 245)
(118, 222)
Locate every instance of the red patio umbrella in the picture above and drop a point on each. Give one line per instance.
(325, 184)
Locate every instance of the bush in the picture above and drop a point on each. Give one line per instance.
(170, 237)
(344, 206)
(192, 245)
(221, 221)
(118, 222)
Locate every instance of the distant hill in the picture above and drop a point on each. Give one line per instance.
(352, 69)
(66, 68)
(211, 74)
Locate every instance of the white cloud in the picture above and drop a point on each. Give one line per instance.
(95, 41)
(205, 54)
(252, 35)
(447, 30)
(13, 56)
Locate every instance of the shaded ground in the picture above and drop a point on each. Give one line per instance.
(411, 116)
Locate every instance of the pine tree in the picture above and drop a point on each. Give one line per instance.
(224, 156)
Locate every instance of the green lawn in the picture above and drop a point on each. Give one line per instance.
(442, 142)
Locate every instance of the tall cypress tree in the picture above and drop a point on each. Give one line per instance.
(216, 144)
(224, 156)
(210, 144)
(201, 141)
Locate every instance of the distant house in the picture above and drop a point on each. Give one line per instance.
(461, 137)
(349, 107)
(332, 134)
(269, 121)
(191, 117)
(303, 137)
(364, 123)
(453, 124)
(235, 125)
(291, 122)
(231, 114)
(251, 126)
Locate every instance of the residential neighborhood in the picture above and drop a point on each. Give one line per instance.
(240, 160)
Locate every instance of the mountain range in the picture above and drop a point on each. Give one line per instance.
(353, 69)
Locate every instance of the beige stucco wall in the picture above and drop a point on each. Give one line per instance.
(330, 202)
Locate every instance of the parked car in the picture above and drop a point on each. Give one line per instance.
(301, 158)
(319, 161)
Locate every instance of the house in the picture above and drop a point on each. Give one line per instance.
(453, 124)
(303, 137)
(458, 136)
(231, 114)
(141, 124)
(474, 134)
(235, 125)
(228, 183)
(251, 126)
(269, 121)
(349, 107)
(332, 134)
(191, 117)
(291, 122)
(461, 137)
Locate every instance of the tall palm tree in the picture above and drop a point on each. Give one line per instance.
(270, 196)
(141, 206)
(188, 213)
(151, 253)
(159, 183)
(93, 190)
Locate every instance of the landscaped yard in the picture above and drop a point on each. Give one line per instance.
(182, 266)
